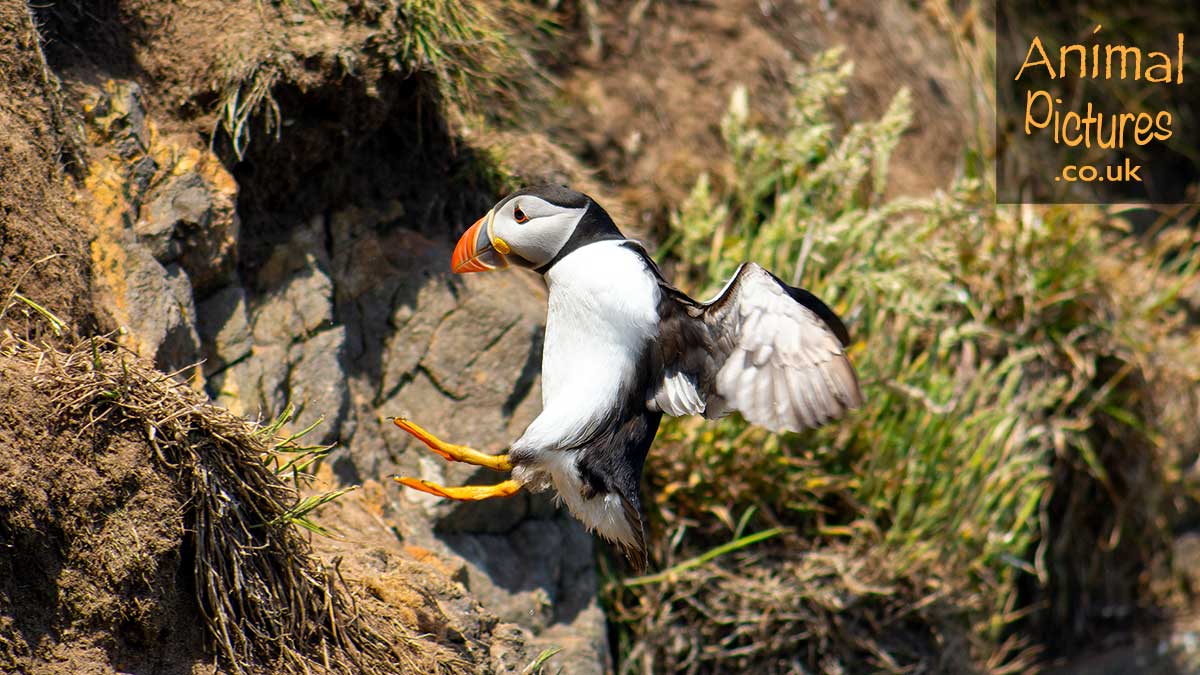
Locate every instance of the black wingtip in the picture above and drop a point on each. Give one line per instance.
(822, 310)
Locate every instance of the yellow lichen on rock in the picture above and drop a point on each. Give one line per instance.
(107, 206)
(163, 209)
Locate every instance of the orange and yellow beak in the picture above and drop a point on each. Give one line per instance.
(475, 251)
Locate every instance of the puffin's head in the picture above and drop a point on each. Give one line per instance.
(533, 228)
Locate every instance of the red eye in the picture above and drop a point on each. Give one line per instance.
(519, 215)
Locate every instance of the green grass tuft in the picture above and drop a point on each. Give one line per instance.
(476, 51)
(291, 461)
(535, 666)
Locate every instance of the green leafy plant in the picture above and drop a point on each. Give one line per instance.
(291, 461)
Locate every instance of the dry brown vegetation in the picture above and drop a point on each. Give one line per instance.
(172, 509)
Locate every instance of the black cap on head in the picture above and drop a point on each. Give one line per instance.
(560, 195)
(596, 225)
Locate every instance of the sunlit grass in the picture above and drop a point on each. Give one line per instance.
(995, 347)
(290, 460)
(477, 51)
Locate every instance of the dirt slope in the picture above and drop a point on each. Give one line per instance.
(96, 581)
(646, 84)
(43, 240)
(146, 552)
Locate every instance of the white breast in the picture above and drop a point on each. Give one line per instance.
(603, 309)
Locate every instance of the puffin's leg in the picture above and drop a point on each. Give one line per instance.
(454, 453)
(468, 493)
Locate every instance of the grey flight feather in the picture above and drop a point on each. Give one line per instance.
(770, 351)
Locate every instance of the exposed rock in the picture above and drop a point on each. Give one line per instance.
(255, 386)
(456, 354)
(355, 317)
(541, 576)
(394, 568)
(157, 232)
(297, 293)
(178, 198)
(180, 344)
(117, 114)
(317, 383)
(154, 303)
(375, 327)
(207, 224)
(165, 224)
(224, 328)
(298, 308)
(296, 354)
(509, 652)
(190, 217)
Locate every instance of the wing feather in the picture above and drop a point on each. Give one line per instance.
(773, 352)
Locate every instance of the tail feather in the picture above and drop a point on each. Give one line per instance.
(635, 552)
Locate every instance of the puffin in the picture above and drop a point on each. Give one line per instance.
(623, 347)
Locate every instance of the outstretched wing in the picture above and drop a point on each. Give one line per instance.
(770, 351)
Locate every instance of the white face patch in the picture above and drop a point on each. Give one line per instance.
(533, 228)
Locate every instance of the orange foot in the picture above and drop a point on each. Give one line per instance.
(454, 453)
(467, 493)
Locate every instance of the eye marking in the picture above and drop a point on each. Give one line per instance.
(519, 215)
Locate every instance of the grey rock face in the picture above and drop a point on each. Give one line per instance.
(298, 307)
(161, 313)
(352, 318)
(179, 202)
(189, 219)
(316, 383)
(296, 298)
(541, 575)
(224, 328)
(296, 353)
(164, 220)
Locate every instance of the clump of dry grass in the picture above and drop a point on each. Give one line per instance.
(268, 603)
(478, 52)
(836, 609)
(245, 93)
(475, 56)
